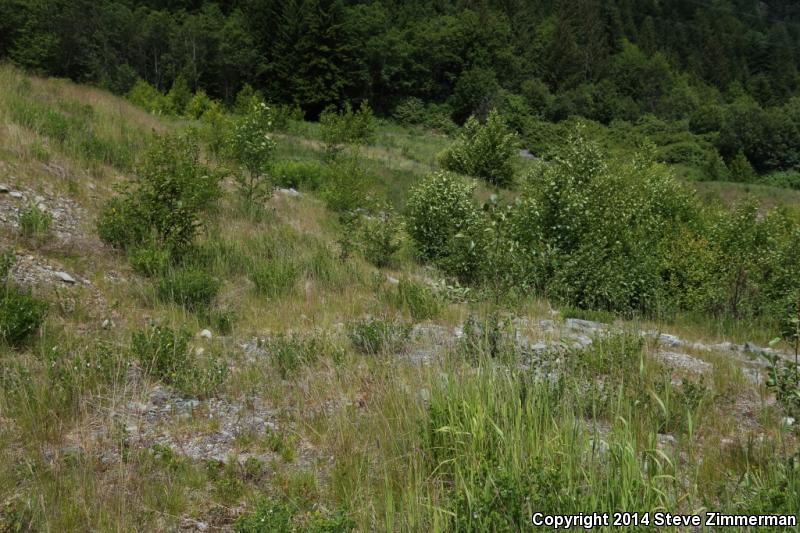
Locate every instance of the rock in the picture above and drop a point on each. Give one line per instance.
(108, 324)
(683, 360)
(289, 192)
(199, 351)
(526, 154)
(159, 396)
(17, 194)
(205, 334)
(4, 188)
(666, 440)
(392, 280)
(788, 421)
(577, 323)
(66, 278)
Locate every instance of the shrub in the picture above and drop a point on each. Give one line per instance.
(415, 112)
(289, 353)
(20, 315)
(146, 96)
(149, 260)
(419, 300)
(34, 222)
(165, 203)
(440, 210)
(298, 174)
(191, 288)
(378, 237)
(346, 185)
(179, 95)
(251, 147)
(741, 169)
(484, 151)
(592, 232)
(164, 352)
(346, 127)
(269, 516)
(275, 277)
(199, 105)
(378, 335)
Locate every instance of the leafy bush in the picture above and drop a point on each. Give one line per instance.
(346, 127)
(199, 105)
(442, 219)
(275, 277)
(378, 237)
(484, 151)
(191, 288)
(269, 516)
(34, 222)
(415, 112)
(251, 147)
(146, 96)
(346, 185)
(421, 301)
(20, 315)
(298, 174)
(378, 335)
(149, 260)
(164, 352)
(165, 203)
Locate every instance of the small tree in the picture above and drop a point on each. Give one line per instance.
(251, 147)
(346, 127)
(483, 150)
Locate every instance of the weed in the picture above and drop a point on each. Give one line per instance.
(378, 335)
(191, 288)
(274, 278)
(164, 353)
(34, 222)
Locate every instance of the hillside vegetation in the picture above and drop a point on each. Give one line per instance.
(248, 322)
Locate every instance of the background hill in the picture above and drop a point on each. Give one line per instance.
(719, 76)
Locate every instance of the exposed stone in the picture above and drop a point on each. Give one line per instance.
(206, 334)
(66, 278)
(392, 280)
(16, 194)
(686, 361)
(4, 188)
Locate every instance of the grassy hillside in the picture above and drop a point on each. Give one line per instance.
(314, 391)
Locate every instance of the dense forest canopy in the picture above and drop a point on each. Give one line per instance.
(728, 67)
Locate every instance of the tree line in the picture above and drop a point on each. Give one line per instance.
(728, 66)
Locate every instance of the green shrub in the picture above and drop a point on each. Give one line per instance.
(379, 237)
(414, 112)
(269, 516)
(419, 300)
(199, 105)
(171, 192)
(164, 353)
(346, 127)
(191, 288)
(251, 147)
(443, 219)
(34, 222)
(378, 335)
(179, 95)
(20, 315)
(275, 277)
(484, 151)
(346, 184)
(146, 96)
(149, 260)
(298, 174)
(289, 353)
